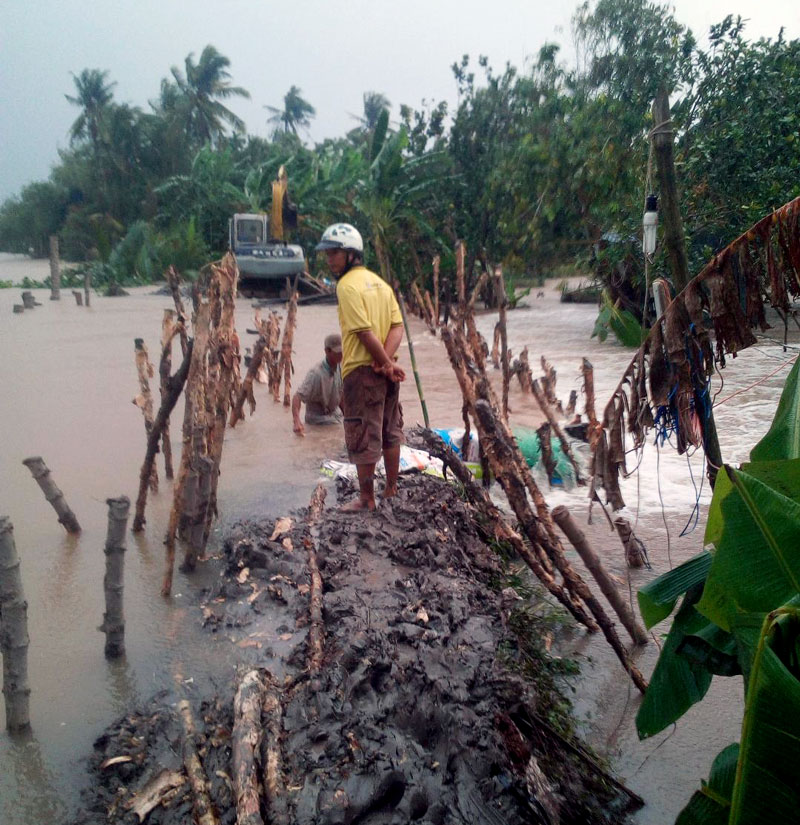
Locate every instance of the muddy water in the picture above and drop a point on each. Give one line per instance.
(68, 378)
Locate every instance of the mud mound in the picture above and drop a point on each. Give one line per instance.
(419, 712)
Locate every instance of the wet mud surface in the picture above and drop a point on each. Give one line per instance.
(435, 702)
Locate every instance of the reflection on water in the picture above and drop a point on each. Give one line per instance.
(68, 377)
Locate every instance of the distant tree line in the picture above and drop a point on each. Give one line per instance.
(533, 169)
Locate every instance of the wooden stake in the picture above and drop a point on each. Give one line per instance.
(168, 332)
(500, 291)
(14, 639)
(87, 287)
(113, 583)
(55, 270)
(144, 401)
(194, 431)
(546, 448)
(174, 389)
(538, 394)
(78, 297)
(51, 492)
(635, 552)
(285, 363)
(577, 538)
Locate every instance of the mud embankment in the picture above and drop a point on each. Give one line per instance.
(435, 702)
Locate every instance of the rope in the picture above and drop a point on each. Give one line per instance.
(756, 383)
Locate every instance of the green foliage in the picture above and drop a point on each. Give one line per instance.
(625, 326)
(740, 614)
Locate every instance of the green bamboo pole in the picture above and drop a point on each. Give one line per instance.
(413, 360)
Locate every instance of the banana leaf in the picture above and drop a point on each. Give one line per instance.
(767, 787)
(756, 530)
(783, 438)
(714, 649)
(711, 805)
(657, 598)
(677, 683)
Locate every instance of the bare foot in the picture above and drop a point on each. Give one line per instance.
(389, 492)
(357, 506)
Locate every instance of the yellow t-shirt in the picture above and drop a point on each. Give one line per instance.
(366, 301)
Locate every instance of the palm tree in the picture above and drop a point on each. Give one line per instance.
(374, 104)
(296, 112)
(93, 96)
(198, 105)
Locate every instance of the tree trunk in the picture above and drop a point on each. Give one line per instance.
(113, 583)
(51, 492)
(14, 639)
(548, 462)
(55, 270)
(436, 263)
(168, 331)
(538, 394)
(246, 389)
(316, 630)
(201, 800)
(245, 747)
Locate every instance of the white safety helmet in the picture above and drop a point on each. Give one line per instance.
(341, 236)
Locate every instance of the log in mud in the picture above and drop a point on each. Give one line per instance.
(435, 700)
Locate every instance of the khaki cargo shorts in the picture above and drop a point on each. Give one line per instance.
(373, 415)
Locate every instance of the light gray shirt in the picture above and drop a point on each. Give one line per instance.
(321, 392)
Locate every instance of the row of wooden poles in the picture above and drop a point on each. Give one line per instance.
(536, 540)
(30, 302)
(215, 395)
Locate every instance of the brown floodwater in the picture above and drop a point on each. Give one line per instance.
(68, 378)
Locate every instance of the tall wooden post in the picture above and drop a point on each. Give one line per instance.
(669, 207)
(55, 270)
(114, 619)
(13, 633)
(676, 245)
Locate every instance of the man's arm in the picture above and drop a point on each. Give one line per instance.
(379, 355)
(393, 340)
(299, 428)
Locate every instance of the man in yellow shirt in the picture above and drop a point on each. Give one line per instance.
(372, 329)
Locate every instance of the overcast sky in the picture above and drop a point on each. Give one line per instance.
(334, 51)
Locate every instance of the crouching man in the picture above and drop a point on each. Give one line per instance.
(321, 390)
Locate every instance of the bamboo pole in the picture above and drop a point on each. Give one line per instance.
(55, 270)
(113, 583)
(201, 800)
(144, 401)
(577, 538)
(417, 379)
(174, 389)
(41, 473)
(14, 639)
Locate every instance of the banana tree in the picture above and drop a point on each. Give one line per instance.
(740, 615)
